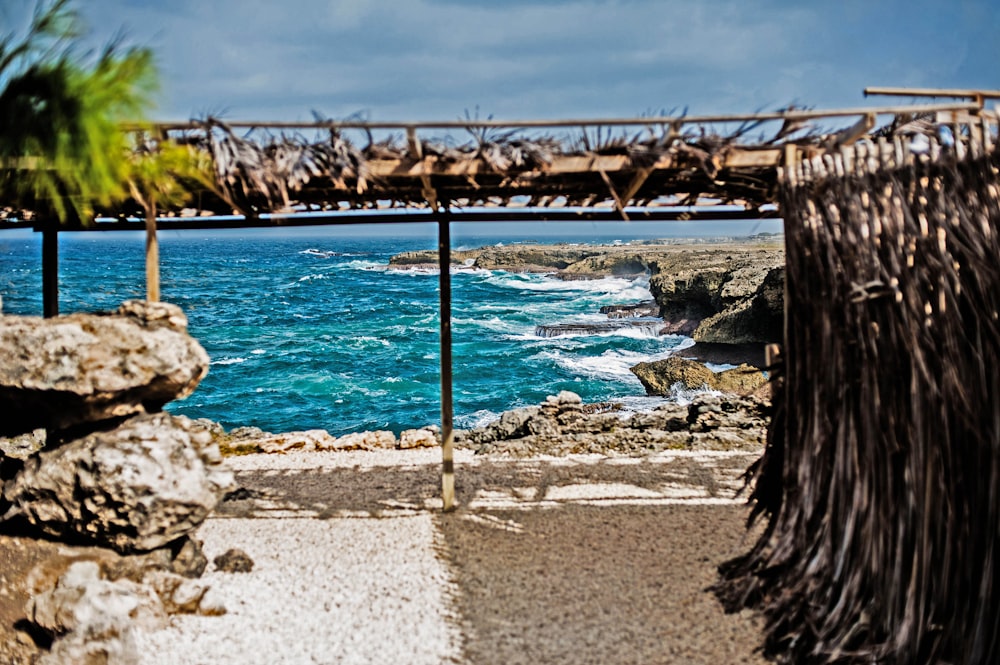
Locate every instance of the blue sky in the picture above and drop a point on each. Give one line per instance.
(513, 59)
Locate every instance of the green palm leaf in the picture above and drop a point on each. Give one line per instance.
(62, 146)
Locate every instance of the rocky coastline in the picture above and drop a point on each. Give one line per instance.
(727, 296)
(103, 492)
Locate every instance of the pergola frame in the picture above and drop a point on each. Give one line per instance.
(624, 200)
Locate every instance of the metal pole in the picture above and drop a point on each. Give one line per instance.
(447, 425)
(50, 270)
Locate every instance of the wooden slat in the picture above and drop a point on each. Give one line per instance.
(659, 121)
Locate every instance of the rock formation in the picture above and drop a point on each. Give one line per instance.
(135, 488)
(645, 325)
(85, 368)
(731, 297)
(245, 440)
(564, 425)
(660, 377)
(88, 459)
(722, 292)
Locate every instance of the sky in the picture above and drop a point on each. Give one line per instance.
(411, 60)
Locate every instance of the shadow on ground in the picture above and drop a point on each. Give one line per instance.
(554, 562)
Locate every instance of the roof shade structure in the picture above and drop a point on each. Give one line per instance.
(656, 168)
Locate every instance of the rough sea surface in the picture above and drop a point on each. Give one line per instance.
(310, 329)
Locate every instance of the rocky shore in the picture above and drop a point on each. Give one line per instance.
(727, 296)
(102, 491)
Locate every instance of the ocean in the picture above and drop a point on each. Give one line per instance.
(308, 328)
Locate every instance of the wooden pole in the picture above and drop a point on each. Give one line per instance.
(447, 424)
(152, 256)
(50, 270)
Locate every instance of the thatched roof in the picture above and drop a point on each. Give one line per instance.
(654, 163)
(880, 479)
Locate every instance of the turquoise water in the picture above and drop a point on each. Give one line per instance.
(309, 329)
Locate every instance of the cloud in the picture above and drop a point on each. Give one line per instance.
(433, 59)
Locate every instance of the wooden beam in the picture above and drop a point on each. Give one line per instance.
(736, 157)
(673, 121)
(638, 179)
(50, 270)
(660, 213)
(855, 131)
(447, 408)
(619, 205)
(152, 257)
(977, 95)
(413, 143)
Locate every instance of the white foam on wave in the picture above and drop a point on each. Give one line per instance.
(480, 418)
(607, 290)
(685, 343)
(229, 361)
(493, 324)
(258, 352)
(367, 340)
(309, 278)
(414, 271)
(360, 264)
(323, 254)
(686, 395)
(613, 364)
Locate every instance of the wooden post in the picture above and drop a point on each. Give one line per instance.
(50, 270)
(152, 256)
(447, 424)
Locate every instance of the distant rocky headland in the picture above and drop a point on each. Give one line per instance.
(725, 292)
(728, 296)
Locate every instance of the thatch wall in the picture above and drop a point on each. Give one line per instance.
(880, 483)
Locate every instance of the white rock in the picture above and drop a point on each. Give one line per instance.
(365, 441)
(307, 441)
(93, 619)
(135, 488)
(418, 438)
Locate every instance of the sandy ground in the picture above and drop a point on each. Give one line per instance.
(549, 560)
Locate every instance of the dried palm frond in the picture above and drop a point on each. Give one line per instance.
(880, 482)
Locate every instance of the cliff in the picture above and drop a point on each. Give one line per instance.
(720, 292)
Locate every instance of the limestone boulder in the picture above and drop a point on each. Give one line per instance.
(659, 377)
(741, 380)
(379, 439)
(562, 426)
(138, 487)
(305, 441)
(61, 372)
(426, 437)
(93, 620)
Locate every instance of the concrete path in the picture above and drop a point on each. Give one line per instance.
(555, 560)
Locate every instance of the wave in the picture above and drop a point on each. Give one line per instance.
(309, 278)
(312, 251)
(229, 361)
(480, 418)
(510, 329)
(612, 364)
(367, 341)
(619, 287)
(363, 264)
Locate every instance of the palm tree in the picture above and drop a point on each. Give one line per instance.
(162, 173)
(62, 146)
